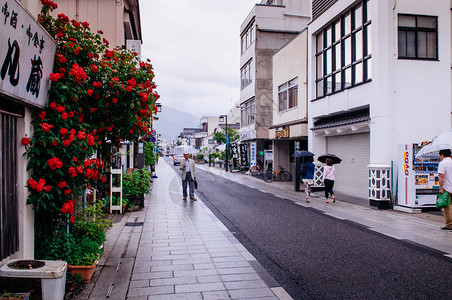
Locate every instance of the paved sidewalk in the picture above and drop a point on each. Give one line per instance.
(175, 249)
(422, 229)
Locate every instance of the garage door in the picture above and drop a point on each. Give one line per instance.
(352, 175)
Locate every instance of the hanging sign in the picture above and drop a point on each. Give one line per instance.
(27, 54)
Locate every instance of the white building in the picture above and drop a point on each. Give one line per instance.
(268, 26)
(289, 131)
(378, 76)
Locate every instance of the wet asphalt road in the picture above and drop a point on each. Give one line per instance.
(315, 256)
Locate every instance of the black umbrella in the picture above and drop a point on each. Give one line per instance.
(303, 153)
(336, 160)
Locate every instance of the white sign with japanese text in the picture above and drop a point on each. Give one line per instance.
(253, 154)
(27, 54)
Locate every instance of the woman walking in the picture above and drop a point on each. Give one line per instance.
(328, 179)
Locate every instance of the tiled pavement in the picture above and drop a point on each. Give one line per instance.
(180, 251)
(175, 249)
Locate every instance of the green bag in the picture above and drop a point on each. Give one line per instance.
(442, 200)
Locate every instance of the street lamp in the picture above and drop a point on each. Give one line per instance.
(222, 118)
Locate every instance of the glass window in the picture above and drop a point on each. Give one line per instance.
(417, 37)
(288, 95)
(344, 50)
(246, 74)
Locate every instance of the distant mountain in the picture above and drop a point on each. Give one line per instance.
(171, 122)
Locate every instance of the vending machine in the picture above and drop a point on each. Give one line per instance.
(418, 180)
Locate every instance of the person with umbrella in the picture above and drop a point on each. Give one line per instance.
(445, 184)
(187, 166)
(328, 178)
(307, 172)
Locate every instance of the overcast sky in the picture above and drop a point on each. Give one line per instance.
(194, 47)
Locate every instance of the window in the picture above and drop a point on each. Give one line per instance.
(288, 95)
(9, 231)
(246, 75)
(247, 38)
(343, 51)
(418, 37)
(247, 109)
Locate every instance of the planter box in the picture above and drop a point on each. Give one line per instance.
(86, 272)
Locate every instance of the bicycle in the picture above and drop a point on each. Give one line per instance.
(281, 175)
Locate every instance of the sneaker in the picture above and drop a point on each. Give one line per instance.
(193, 198)
(446, 228)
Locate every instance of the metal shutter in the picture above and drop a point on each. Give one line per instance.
(352, 175)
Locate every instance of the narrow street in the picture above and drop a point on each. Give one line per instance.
(313, 255)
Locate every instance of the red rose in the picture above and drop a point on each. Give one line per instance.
(94, 68)
(46, 127)
(55, 143)
(114, 100)
(97, 84)
(67, 192)
(26, 141)
(63, 131)
(78, 73)
(90, 92)
(54, 163)
(42, 115)
(64, 116)
(85, 24)
(62, 184)
(129, 88)
(72, 219)
(47, 188)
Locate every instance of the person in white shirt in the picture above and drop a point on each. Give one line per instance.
(445, 184)
(328, 179)
(187, 166)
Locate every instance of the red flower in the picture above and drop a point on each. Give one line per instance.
(42, 115)
(100, 32)
(67, 192)
(46, 127)
(62, 70)
(78, 73)
(81, 135)
(63, 131)
(94, 68)
(52, 105)
(74, 159)
(85, 24)
(92, 110)
(90, 92)
(55, 76)
(60, 109)
(26, 141)
(90, 55)
(72, 172)
(129, 88)
(72, 219)
(63, 18)
(114, 100)
(75, 23)
(132, 82)
(64, 116)
(79, 169)
(97, 84)
(66, 143)
(62, 184)
(55, 143)
(61, 59)
(47, 188)
(54, 163)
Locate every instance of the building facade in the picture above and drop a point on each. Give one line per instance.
(269, 26)
(289, 131)
(378, 76)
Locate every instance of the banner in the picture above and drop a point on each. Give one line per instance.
(27, 54)
(244, 155)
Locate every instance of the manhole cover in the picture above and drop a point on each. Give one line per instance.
(26, 264)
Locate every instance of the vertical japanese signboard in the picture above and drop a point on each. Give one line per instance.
(253, 154)
(26, 55)
(244, 155)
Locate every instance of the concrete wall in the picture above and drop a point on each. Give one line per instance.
(288, 63)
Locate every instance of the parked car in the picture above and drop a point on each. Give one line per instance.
(177, 159)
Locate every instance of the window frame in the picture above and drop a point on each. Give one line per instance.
(417, 30)
(286, 89)
(337, 66)
(247, 112)
(246, 76)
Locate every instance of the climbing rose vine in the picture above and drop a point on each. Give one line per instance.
(98, 97)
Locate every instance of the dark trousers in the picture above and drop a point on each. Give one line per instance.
(191, 185)
(328, 187)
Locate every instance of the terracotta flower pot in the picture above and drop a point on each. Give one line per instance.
(86, 272)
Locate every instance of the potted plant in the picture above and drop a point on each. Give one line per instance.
(136, 183)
